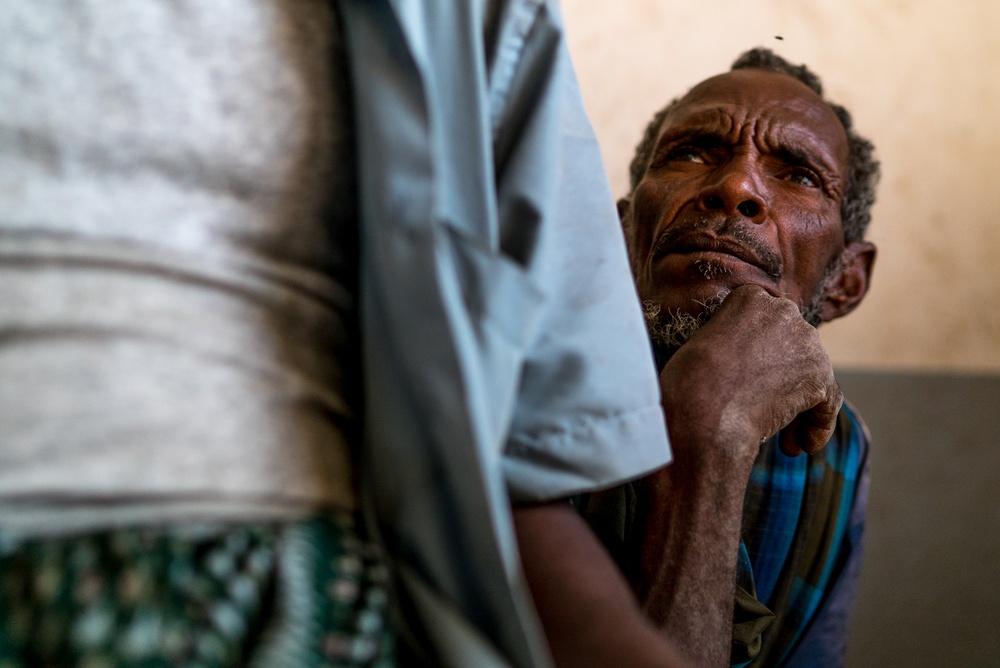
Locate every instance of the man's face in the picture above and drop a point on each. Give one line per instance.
(744, 186)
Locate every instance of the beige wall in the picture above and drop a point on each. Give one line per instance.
(922, 81)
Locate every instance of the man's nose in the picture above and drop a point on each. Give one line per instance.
(735, 190)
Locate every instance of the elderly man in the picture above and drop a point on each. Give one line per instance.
(745, 224)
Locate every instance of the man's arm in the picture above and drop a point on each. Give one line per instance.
(587, 610)
(689, 520)
(756, 367)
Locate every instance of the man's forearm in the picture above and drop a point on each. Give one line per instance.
(753, 369)
(588, 612)
(690, 529)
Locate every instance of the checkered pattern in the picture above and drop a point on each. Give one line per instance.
(796, 525)
(302, 594)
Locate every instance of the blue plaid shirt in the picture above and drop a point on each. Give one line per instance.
(803, 522)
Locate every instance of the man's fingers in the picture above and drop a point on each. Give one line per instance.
(756, 366)
(810, 431)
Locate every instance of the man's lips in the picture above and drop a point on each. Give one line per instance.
(709, 243)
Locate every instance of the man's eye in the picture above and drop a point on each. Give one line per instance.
(804, 177)
(686, 155)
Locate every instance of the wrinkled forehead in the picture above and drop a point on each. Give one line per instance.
(761, 101)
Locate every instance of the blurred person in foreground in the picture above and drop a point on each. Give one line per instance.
(298, 298)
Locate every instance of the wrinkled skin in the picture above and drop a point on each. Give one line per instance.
(741, 198)
(747, 176)
(781, 374)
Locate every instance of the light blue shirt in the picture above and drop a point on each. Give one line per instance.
(505, 354)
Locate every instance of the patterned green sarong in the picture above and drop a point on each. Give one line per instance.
(300, 594)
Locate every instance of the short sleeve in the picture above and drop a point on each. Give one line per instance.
(588, 409)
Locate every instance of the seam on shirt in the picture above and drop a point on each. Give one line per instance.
(509, 53)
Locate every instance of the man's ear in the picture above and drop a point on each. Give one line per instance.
(848, 287)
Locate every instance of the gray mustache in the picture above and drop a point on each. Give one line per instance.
(732, 229)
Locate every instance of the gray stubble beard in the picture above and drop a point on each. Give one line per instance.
(670, 330)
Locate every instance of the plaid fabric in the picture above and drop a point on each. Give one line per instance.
(299, 594)
(797, 536)
(795, 524)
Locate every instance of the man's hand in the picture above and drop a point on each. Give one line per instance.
(756, 367)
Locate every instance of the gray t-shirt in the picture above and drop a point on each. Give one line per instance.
(177, 260)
